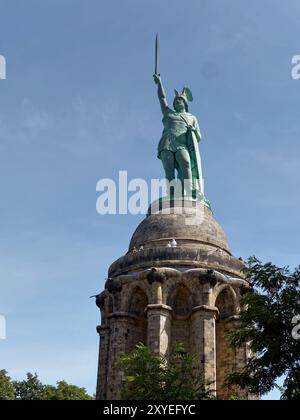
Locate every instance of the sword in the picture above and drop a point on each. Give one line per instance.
(156, 71)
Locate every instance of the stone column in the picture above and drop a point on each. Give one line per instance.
(104, 333)
(158, 315)
(117, 346)
(229, 359)
(159, 328)
(204, 343)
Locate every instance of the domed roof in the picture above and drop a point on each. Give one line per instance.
(189, 228)
(201, 242)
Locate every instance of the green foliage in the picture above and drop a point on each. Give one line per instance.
(32, 389)
(266, 324)
(29, 389)
(7, 389)
(237, 398)
(65, 391)
(154, 377)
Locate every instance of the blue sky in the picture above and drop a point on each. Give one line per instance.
(79, 104)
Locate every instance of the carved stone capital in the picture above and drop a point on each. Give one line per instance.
(156, 275)
(159, 307)
(113, 285)
(102, 330)
(100, 301)
(211, 277)
(206, 309)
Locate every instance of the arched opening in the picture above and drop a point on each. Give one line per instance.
(136, 331)
(225, 354)
(226, 303)
(181, 303)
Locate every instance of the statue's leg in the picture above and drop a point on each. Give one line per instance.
(184, 162)
(168, 160)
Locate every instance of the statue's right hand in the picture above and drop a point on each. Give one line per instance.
(157, 78)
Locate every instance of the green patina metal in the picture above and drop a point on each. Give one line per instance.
(178, 147)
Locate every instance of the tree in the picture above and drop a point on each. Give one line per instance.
(266, 324)
(155, 377)
(7, 389)
(65, 391)
(29, 389)
(32, 389)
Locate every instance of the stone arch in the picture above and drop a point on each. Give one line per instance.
(225, 354)
(138, 302)
(137, 325)
(129, 292)
(226, 301)
(181, 301)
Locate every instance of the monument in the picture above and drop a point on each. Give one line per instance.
(178, 281)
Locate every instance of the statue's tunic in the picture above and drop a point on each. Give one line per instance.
(174, 136)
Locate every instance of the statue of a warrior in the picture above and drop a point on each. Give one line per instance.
(178, 147)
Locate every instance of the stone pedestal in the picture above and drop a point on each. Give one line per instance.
(160, 295)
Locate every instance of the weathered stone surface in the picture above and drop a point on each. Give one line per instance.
(161, 295)
(156, 229)
(200, 244)
(177, 258)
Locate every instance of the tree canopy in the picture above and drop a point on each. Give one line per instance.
(154, 377)
(33, 389)
(267, 325)
(7, 389)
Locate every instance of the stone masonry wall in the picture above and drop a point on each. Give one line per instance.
(160, 306)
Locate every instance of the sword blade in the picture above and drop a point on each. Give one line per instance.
(157, 55)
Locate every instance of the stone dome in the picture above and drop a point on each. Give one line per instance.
(201, 242)
(189, 230)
